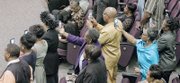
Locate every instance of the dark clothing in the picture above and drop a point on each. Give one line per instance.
(127, 22)
(166, 75)
(81, 42)
(52, 78)
(72, 28)
(21, 71)
(100, 6)
(57, 4)
(51, 58)
(94, 72)
(98, 10)
(166, 48)
(30, 59)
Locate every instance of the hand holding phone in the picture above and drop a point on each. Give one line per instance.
(116, 23)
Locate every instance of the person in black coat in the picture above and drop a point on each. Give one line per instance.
(57, 4)
(17, 71)
(100, 6)
(166, 47)
(51, 36)
(95, 71)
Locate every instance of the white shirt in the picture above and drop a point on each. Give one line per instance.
(81, 60)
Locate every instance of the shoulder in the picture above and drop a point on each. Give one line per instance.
(139, 41)
(166, 37)
(8, 77)
(8, 73)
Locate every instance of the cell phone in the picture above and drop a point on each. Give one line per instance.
(26, 31)
(60, 24)
(90, 16)
(12, 41)
(116, 23)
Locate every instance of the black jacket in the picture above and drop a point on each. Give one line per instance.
(51, 58)
(166, 47)
(94, 72)
(21, 71)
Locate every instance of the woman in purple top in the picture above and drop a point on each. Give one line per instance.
(91, 37)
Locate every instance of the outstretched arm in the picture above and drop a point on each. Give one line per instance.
(129, 37)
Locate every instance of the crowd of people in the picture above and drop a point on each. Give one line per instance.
(37, 56)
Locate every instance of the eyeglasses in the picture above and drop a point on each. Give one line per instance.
(106, 14)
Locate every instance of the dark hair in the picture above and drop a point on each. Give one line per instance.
(28, 40)
(74, 2)
(156, 72)
(94, 34)
(49, 20)
(152, 33)
(37, 30)
(172, 23)
(132, 7)
(62, 15)
(92, 51)
(13, 50)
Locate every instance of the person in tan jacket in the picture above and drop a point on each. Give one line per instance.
(110, 40)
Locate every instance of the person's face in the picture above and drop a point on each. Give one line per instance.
(144, 37)
(164, 25)
(73, 6)
(87, 38)
(126, 9)
(85, 56)
(6, 56)
(148, 76)
(105, 16)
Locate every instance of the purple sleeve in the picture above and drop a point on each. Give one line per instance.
(75, 40)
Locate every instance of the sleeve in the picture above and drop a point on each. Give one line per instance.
(31, 76)
(75, 40)
(161, 44)
(8, 77)
(104, 38)
(143, 72)
(127, 24)
(99, 27)
(138, 42)
(151, 6)
(48, 39)
(89, 78)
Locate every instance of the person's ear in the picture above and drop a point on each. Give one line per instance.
(7, 56)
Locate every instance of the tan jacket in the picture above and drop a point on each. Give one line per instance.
(110, 41)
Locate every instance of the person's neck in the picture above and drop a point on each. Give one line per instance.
(128, 14)
(110, 20)
(165, 31)
(148, 43)
(27, 51)
(38, 40)
(12, 58)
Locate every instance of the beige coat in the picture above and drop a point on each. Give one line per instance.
(110, 41)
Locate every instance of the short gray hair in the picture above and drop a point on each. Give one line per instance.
(152, 33)
(94, 34)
